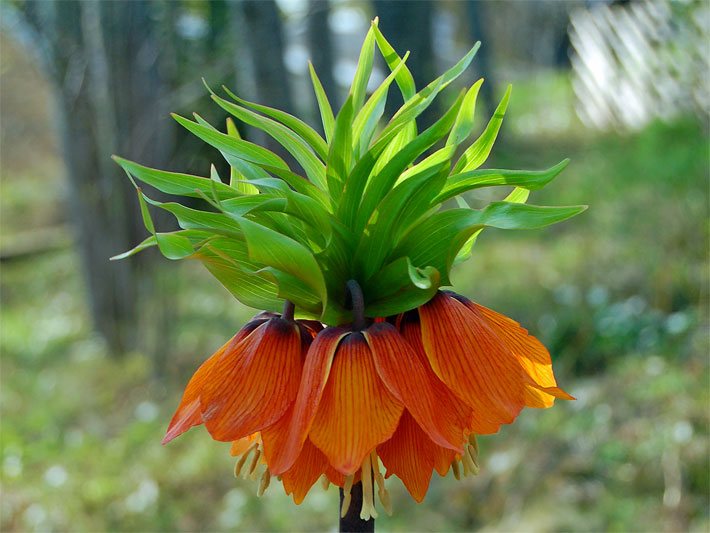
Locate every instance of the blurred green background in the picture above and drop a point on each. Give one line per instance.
(95, 354)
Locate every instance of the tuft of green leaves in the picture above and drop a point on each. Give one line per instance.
(369, 202)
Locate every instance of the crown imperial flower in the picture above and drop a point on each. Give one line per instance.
(382, 367)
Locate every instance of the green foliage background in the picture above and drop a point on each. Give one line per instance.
(619, 295)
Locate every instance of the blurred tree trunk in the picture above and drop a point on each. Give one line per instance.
(260, 20)
(320, 45)
(477, 26)
(101, 58)
(408, 26)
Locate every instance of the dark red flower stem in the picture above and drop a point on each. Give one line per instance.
(289, 308)
(352, 522)
(357, 304)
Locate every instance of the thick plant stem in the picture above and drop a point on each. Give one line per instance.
(288, 310)
(352, 522)
(357, 302)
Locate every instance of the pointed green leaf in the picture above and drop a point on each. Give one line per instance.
(464, 121)
(436, 241)
(364, 69)
(147, 243)
(291, 141)
(341, 151)
(232, 146)
(474, 179)
(315, 141)
(367, 119)
(174, 182)
(404, 77)
(326, 112)
(478, 152)
(381, 183)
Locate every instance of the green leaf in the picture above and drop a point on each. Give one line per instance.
(517, 196)
(436, 240)
(145, 213)
(326, 112)
(403, 204)
(399, 287)
(232, 146)
(414, 106)
(478, 152)
(228, 261)
(291, 141)
(474, 179)
(283, 253)
(147, 243)
(300, 184)
(237, 179)
(202, 220)
(404, 77)
(174, 246)
(381, 183)
(298, 205)
(315, 141)
(464, 121)
(364, 69)
(174, 182)
(367, 119)
(341, 151)
(293, 289)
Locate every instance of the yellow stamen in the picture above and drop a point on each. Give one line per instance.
(473, 442)
(473, 453)
(347, 487)
(382, 492)
(264, 484)
(469, 466)
(368, 505)
(240, 464)
(455, 469)
(325, 482)
(473, 448)
(466, 465)
(252, 466)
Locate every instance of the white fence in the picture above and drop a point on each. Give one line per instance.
(636, 62)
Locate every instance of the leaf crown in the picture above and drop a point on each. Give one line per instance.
(368, 205)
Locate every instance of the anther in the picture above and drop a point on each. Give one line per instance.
(347, 487)
(455, 469)
(368, 505)
(240, 464)
(325, 482)
(253, 464)
(264, 484)
(382, 492)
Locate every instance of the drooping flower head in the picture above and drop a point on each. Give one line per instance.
(371, 366)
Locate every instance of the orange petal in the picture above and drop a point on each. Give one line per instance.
(470, 359)
(310, 465)
(411, 456)
(315, 374)
(531, 354)
(356, 412)
(188, 413)
(253, 383)
(414, 384)
(411, 331)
